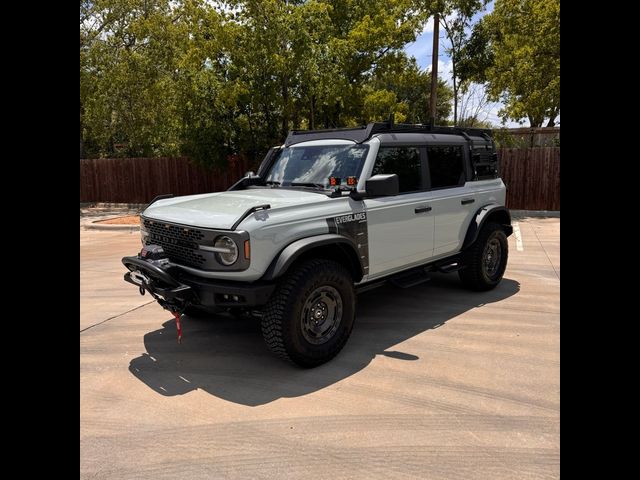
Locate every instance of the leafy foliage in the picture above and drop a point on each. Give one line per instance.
(516, 50)
(206, 79)
(456, 18)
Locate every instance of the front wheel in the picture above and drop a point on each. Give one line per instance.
(486, 260)
(310, 316)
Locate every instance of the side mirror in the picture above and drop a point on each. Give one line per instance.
(383, 185)
(249, 174)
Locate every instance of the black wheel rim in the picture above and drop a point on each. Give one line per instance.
(321, 315)
(492, 257)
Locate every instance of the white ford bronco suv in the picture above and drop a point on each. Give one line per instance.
(328, 214)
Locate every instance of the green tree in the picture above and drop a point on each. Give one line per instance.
(313, 64)
(516, 50)
(412, 90)
(129, 51)
(207, 79)
(455, 18)
(206, 98)
(476, 56)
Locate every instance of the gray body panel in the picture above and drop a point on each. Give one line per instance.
(222, 209)
(396, 239)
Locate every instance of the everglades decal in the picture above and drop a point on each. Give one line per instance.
(351, 218)
(353, 226)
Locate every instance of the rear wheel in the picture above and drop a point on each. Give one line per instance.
(486, 260)
(310, 316)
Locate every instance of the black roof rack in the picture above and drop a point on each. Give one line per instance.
(362, 133)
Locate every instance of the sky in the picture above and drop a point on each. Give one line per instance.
(422, 49)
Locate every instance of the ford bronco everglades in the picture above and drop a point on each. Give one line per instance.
(328, 214)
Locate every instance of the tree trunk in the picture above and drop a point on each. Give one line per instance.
(81, 136)
(455, 96)
(254, 143)
(285, 109)
(434, 69)
(295, 118)
(336, 116)
(312, 113)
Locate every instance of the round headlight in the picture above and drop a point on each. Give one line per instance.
(230, 255)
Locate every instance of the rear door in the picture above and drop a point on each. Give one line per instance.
(453, 203)
(400, 227)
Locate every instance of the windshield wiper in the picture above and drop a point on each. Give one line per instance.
(308, 184)
(272, 182)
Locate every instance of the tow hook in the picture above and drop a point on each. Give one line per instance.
(176, 311)
(178, 316)
(142, 291)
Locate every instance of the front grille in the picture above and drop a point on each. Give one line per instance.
(179, 243)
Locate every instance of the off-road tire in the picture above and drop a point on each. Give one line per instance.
(283, 319)
(476, 274)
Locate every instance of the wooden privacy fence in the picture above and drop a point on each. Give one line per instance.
(532, 176)
(528, 137)
(138, 180)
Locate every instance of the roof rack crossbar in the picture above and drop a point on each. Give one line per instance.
(364, 132)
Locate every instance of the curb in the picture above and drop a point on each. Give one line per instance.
(96, 226)
(535, 213)
(113, 205)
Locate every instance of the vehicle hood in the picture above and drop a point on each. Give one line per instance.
(223, 209)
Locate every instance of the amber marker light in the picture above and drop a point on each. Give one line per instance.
(247, 249)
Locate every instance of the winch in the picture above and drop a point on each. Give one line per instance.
(150, 270)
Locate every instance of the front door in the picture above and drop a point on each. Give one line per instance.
(400, 227)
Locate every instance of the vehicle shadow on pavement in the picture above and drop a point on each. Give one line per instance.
(227, 357)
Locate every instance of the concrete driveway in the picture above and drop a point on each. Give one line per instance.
(435, 382)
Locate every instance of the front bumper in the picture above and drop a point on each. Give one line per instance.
(178, 288)
(223, 293)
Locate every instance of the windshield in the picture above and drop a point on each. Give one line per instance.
(314, 165)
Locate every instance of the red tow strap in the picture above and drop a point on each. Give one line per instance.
(178, 325)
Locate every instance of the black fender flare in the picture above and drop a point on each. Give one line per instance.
(294, 250)
(480, 218)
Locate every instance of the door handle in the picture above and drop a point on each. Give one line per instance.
(467, 201)
(422, 209)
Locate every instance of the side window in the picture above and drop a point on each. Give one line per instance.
(403, 161)
(446, 166)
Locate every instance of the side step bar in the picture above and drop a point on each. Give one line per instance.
(452, 267)
(415, 276)
(410, 279)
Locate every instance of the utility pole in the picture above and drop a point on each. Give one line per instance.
(434, 67)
